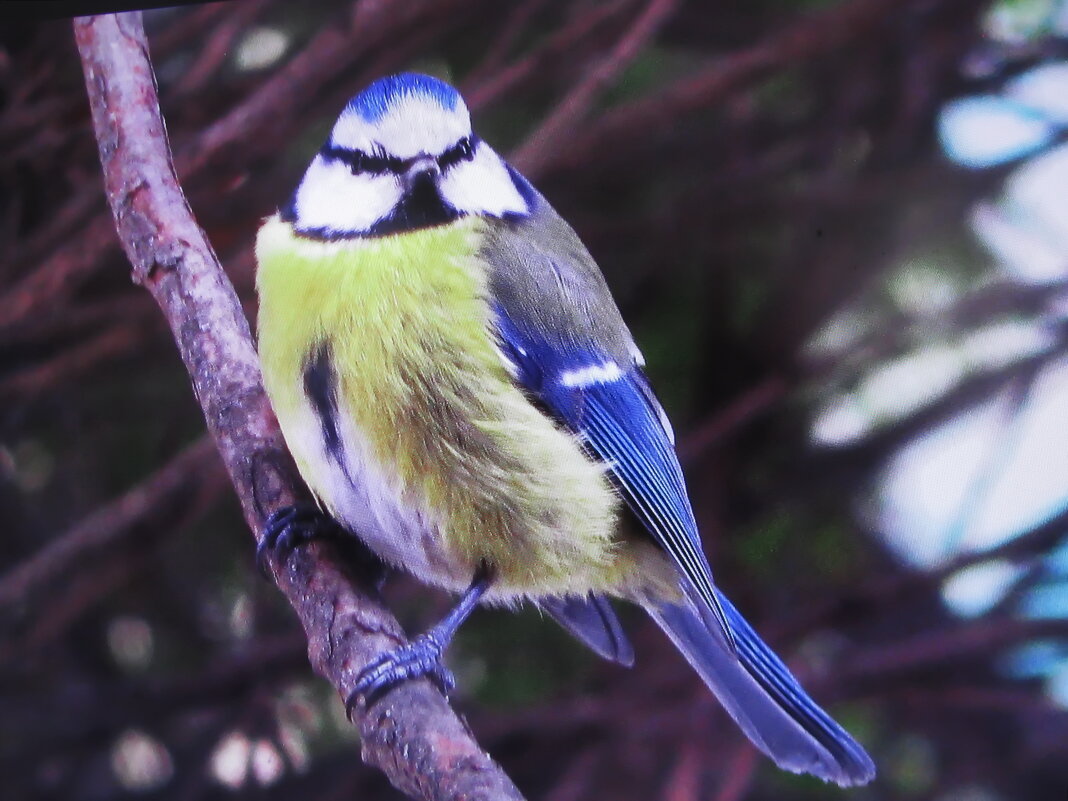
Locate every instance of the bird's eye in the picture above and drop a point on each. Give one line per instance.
(372, 164)
(463, 150)
(380, 162)
(356, 162)
(362, 163)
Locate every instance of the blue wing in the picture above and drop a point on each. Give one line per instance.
(570, 349)
(615, 411)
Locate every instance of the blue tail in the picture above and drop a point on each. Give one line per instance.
(764, 699)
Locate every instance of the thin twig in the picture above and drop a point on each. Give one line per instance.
(493, 59)
(809, 36)
(218, 46)
(479, 95)
(71, 362)
(533, 153)
(960, 642)
(737, 413)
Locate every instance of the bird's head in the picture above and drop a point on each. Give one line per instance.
(401, 156)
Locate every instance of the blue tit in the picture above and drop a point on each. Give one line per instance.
(460, 392)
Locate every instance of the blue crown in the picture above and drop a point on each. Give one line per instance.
(374, 101)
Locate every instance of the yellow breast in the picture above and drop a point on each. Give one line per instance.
(435, 457)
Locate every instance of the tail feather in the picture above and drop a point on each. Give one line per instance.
(592, 620)
(765, 700)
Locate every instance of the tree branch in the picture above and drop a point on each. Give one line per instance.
(411, 734)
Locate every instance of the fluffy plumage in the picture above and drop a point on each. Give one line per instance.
(459, 389)
(417, 437)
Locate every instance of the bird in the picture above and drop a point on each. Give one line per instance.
(461, 394)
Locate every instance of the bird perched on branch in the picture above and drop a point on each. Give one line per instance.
(460, 392)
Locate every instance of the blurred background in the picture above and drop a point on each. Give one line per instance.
(839, 230)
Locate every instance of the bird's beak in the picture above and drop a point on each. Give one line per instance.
(422, 171)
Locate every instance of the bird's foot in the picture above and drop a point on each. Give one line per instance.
(420, 657)
(289, 527)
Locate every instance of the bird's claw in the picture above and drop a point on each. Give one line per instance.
(420, 657)
(288, 528)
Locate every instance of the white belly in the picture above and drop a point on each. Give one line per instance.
(358, 492)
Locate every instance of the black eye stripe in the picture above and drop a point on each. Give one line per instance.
(463, 150)
(363, 163)
(377, 163)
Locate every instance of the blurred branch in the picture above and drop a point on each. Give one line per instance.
(684, 781)
(998, 699)
(710, 432)
(740, 778)
(411, 733)
(113, 706)
(47, 621)
(35, 248)
(567, 38)
(536, 150)
(879, 590)
(178, 30)
(218, 46)
(72, 361)
(493, 59)
(575, 783)
(111, 524)
(850, 462)
(56, 277)
(805, 38)
(964, 641)
(289, 90)
(898, 333)
(1022, 547)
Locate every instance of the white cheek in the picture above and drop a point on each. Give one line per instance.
(482, 186)
(331, 197)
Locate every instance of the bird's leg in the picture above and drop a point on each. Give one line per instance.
(421, 656)
(292, 526)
